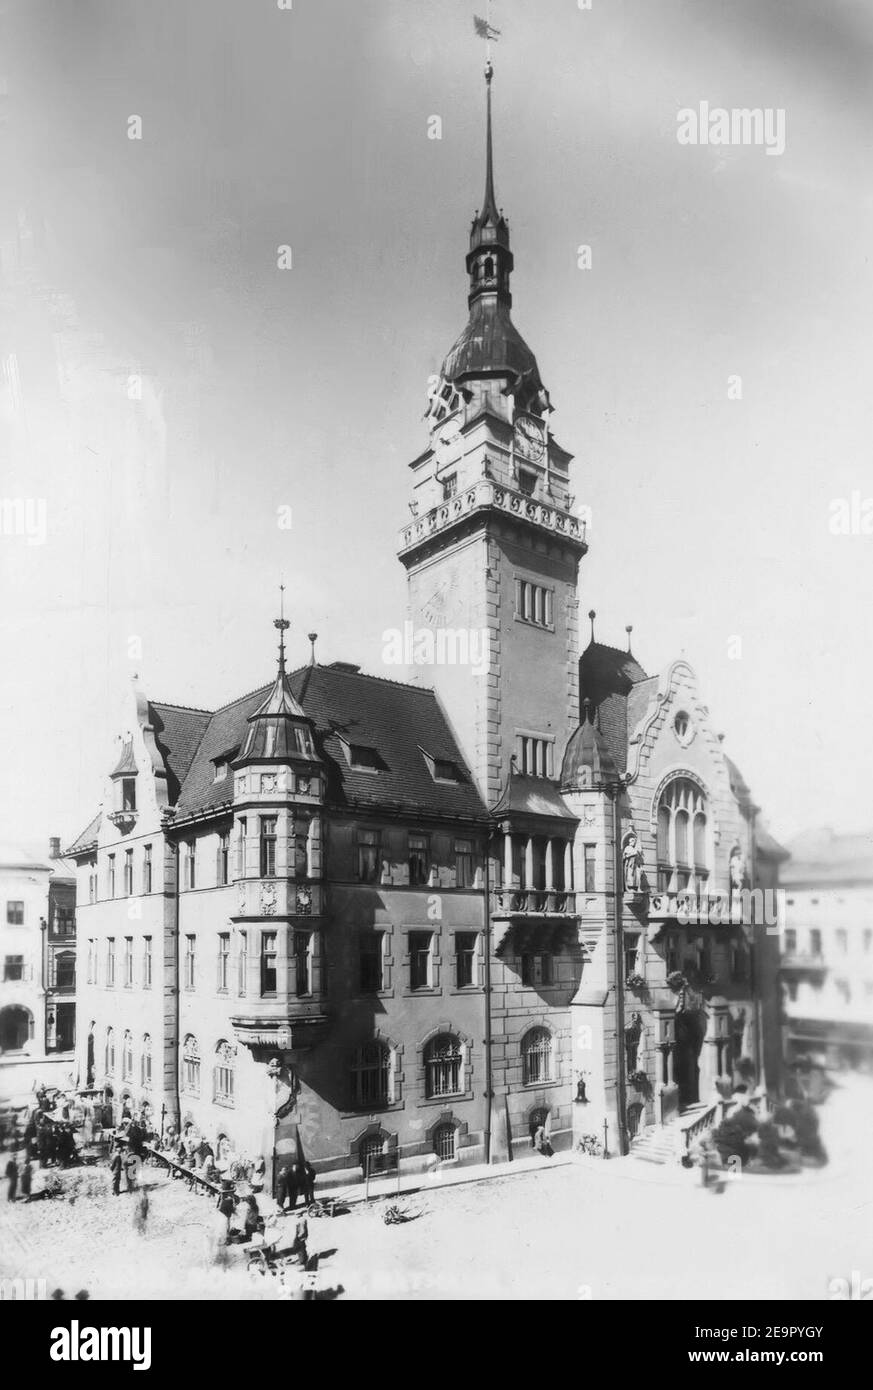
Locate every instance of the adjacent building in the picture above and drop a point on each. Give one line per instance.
(392, 923)
(38, 952)
(827, 948)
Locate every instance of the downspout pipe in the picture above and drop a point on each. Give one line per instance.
(614, 790)
(489, 1089)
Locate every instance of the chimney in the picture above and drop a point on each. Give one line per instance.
(54, 847)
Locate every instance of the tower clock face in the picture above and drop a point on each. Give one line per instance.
(530, 438)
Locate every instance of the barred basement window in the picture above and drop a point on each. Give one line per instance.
(191, 1065)
(371, 1075)
(225, 1060)
(443, 1066)
(444, 1141)
(372, 1152)
(536, 1055)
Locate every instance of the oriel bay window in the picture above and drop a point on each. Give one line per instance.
(303, 962)
(269, 956)
(268, 846)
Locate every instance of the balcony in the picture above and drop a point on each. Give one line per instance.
(123, 820)
(533, 902)
(487, 496)
(267, 1026)
(695, 909)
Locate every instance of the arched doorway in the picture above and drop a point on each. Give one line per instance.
(634, 1119)
(16, 1028)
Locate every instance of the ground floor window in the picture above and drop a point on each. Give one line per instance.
(444, 1142)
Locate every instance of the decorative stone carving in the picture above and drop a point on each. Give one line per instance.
(240, 785)
(268, 900)
(632, 862)
(268, 781)
(304, 901)
(737, 868)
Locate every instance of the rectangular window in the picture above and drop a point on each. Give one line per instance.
(631, 943)
(419, 860)
(369, 844)
(789, 941)
(534, 603)
(223, 960)
(371, 950)
(128, 872)
(111, 891)
(13, 968)
(466, 943)
(128, 962)
(463, 850)
(15, 913)
(92, 887)
(450, 486)
(147, 869)
(815, 942)
(91, 979)
(223, 866)
(302, 962)
(843, 989)
(268, 963)
(110, 962)
(190, 954)
(147, 962)
(590, 863)
(842, 941)
(268, 847)
(190, 863)
(527, 482)
(128, 793)
(534, 755)
(536, 969)
(420, 960)
(241, 847)
(242, 965)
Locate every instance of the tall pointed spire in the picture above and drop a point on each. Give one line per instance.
(489, 260)
(489, 204)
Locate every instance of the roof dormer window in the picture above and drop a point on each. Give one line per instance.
(361, 757)
(442, 769)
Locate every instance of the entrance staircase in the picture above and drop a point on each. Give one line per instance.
(667, 1143)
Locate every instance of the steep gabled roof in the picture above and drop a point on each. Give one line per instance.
(87, 838)
(178, 732)
(398, 721)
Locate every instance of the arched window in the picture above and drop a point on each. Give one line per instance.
(682, 836)
(225, 1060)
(371, 1074)
(372, 1153)
(443, 1066)
(146, 1060)
(445, 1142)
(191, 1065)
(110, 1051)
(16, 1027)
(536, 1056)
(489, 268)
(127, 1056)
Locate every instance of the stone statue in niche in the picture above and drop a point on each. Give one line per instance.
(282, 1090)
(632, 862)
(737, 869)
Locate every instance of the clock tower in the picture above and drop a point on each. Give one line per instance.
(493, 546)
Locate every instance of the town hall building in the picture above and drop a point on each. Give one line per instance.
(381, 924)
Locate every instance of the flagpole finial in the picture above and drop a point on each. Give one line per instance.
(489, 71)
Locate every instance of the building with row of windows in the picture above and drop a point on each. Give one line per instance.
(38, 954)
(388, 923)
(827, 948)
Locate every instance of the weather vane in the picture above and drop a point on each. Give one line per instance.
(485, 29)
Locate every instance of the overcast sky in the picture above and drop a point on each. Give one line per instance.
(262, 387)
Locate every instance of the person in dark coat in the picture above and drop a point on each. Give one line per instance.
(26, 1179)
(308, 1184)
(12, 1175)
(116, 1167)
